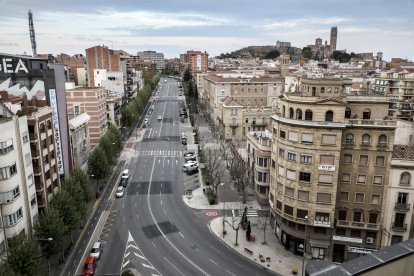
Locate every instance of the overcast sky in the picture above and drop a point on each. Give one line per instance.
(215, 26)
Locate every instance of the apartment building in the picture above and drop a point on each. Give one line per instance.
(90, 100)
(158, 58)
(18, 205)
(79, 137)
(329, 156)
(399, 87)
(398, 225)
(258, 150)
(101, 57)
(198, 61)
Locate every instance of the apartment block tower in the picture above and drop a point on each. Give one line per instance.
(198, 61)
(333, 38)
(330, 158)
(101, 57)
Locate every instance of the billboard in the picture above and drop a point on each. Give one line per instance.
(58, 140)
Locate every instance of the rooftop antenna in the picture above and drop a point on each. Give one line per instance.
(32, 33)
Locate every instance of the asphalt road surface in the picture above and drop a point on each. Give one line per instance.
(150, 228)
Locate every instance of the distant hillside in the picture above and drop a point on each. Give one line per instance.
(263, 52)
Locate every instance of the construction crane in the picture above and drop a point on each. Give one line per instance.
(32, 33)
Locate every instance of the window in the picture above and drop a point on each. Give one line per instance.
(359, 198)
(6, 147)
(366, 139)
(308, 115)
(380, 161)
(357, 216)
(307, 138)
(293, 136)
(291, 156)
(14, 218)
(262, 162)
(304, 176)
(377, 180)
(288, 210)
(291, 174)
(291, 113)
(278, 204)
(356, 233)
(329, 116)
(281, 152)
(281, 171)
(305, 159)
(363, 160)
(28, 159)
(282, 134)
(361, 178)
(301, 213)
(318, 253)
(327, 159)
(33, 200)
(76, 109)
(323, 198)
(344, 196)
(348, 113)
(382, 140)
(273, 164)
(25, 137)
(373, 218)
(290, 192)
(283, 111)
(325, 179)
(342, 215)
(328, 139)
(366, 114)
(280, 187)
(299, 114)
(303, 195)
(349, 138)
(13, 169)
(346, 177)
(262, 177)
(347, 158)
(322, 89)
(375, 199)
(405, 179)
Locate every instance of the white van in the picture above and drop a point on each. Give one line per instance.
(189, 166)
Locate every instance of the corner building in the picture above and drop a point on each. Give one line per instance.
(307, 190)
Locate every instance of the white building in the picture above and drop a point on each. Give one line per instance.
(153, 55)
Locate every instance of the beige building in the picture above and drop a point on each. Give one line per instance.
(90, 100)
(79, 137)
(258, 149)
(328, 169)
(400, 199)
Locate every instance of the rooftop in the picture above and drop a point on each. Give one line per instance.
(403, 152)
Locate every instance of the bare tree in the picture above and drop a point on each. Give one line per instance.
(263, 223)
(239, 173)
(214, 166)
(235, 224)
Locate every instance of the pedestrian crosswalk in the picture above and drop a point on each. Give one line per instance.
(250, 213)
(160, 153)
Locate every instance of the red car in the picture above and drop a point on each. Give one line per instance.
(89, 266)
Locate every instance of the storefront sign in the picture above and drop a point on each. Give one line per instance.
(329, 168)
(321, 223)
(360, 250)
(10, 65)
(58, 142)
(346, 239)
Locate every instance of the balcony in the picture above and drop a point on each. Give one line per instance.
(35, 154)
(349, 143)
(33, 137)
(366, 122)
(257, 123)
(39, 187)
(399, 227)
(357, 225)
(234, 124)
(382, 145)
(40, 203)
(402, 206)
(365, 144)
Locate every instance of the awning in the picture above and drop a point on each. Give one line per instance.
(79, 120)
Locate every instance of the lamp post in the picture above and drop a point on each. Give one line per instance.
(48, 259)
(97, 185)
(224, 208)
(304, 247)
(3, 228)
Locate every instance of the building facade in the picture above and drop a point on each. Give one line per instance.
(79, 136)
(101, 57)
(158, 58)
(197, 61)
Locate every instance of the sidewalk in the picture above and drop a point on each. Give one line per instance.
(274, 256)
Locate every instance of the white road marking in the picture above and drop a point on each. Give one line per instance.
(181, 234)
(165, 212)
(124, 264)
(161, 200)
(213, 262)
(174, 266)
(230, 272)
(148, 266)
(153, 244)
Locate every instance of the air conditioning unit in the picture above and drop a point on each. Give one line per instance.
(370, 240)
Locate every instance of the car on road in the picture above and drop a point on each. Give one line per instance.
(146, 121)
(123, 182)
(96, 250)
(190, 156)
(120, 192)
(159, 118)
(125, 174)
(89, 267)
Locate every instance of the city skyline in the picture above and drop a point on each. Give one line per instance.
(212, 26)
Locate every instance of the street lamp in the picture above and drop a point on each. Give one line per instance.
(224, 208)
(97, 185)
(304, 247)
(48, 259)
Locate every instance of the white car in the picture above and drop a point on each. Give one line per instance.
(96, 250)
(120, 192)
(146, 121)
(125, 174)
(160, 117)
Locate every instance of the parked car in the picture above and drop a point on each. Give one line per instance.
(146, 121)
(190, 156)
(120, 192)
(89, 267)
(96, 250)
(159, 118)
(124, 182)
(190, 166)
(192, 170)
(125, 174)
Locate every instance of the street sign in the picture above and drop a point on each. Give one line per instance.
(211, 214)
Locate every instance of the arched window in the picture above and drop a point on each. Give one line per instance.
(291, 113)
(366, 115)
(349, 138)
(405, 178)
(382, 140)
(299, 114)
(308, 115)
(329, 116)
(366, 139)
(284, 111)
(348, 113)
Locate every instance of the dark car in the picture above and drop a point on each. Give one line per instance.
(192, 171)
(124, 182)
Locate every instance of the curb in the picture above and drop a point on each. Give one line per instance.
(250, 260)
